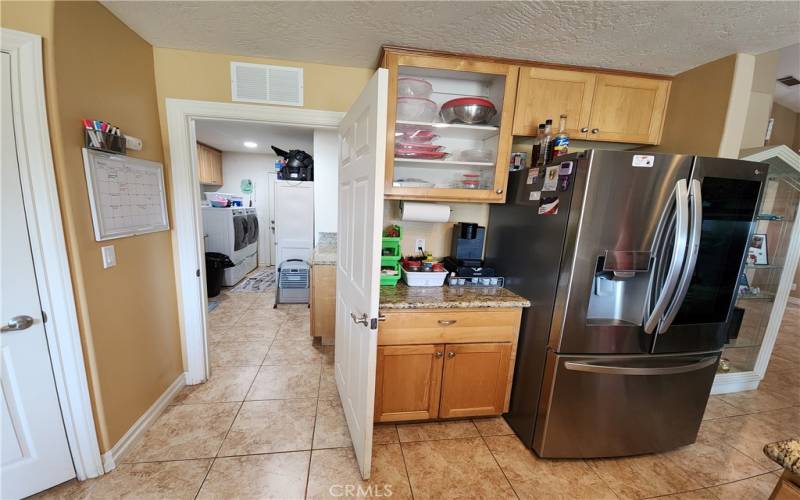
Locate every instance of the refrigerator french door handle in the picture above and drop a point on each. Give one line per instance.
(678, 256)
(696, 204)
(594, 367)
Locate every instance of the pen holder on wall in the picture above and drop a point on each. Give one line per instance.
(102, 141)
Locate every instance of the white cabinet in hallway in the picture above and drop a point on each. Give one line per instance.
(294, 220)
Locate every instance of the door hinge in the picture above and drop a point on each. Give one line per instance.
(44, 317)
(197, 273)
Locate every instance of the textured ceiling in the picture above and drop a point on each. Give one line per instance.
(788, 65)
(649, 36)
(228, 135)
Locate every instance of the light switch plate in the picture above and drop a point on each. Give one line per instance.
(109, 256)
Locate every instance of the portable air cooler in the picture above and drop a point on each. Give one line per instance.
(293, 282)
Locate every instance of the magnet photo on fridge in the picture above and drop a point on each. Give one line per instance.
(757, 254)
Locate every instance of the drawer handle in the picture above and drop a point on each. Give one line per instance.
(446, 322)
(451, 354)
(595, 130)
(438, 354)
(584, 129)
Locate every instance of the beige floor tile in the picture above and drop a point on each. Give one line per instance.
(454, 468)
(717, 408)
(271, 426)
(259, 317)
(224, 319)
(384, 434)
(173, 480)
(713, 462)
(327, 383)
(330, 430)
(296, 326)
(704, 494)
(185, 431)
(328, 355)
(754, 488)
(237, 353)
(292, 352)
(533, 477)
(779, 364)
(492, 426)
(228, 384)
(429, 431)
(785, 420)
(264, 333)
(785, 385)
(753, 401)
(334, 473)
(280, 476)
(644, 476)
(747, 434)
(285, 382)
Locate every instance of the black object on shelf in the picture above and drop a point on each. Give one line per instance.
(735, 323)
(103, 141)
(216, 263)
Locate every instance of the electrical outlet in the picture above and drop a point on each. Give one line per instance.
(419, 244)
(109, 256)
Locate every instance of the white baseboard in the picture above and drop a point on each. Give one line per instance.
(113, 456)
(725, 383)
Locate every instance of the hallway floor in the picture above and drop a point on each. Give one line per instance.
(269, 424)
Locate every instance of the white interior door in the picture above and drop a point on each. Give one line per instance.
(362, 153)
(35, 453)
(294, 220)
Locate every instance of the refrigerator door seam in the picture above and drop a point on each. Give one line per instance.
(678, 255)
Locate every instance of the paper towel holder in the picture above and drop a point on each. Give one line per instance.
(449, 211)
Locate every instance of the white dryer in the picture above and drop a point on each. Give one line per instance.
(233, 231)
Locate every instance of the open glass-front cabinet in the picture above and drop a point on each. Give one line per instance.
(449, 127)
(769, 271)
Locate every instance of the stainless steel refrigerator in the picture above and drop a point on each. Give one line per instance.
(631, 263)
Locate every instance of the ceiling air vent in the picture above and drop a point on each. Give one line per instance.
(789, 81)
(266, 84)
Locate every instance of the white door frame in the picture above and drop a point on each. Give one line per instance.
(187, 244)
(49, 248)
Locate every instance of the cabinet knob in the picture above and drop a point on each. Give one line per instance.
(584, 129)
(451, 354)
(498, 191)
(446, 322)
(595, 130)
(438, 354)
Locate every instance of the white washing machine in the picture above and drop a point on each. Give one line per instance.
(234, 232)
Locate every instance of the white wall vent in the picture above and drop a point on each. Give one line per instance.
(266, 84)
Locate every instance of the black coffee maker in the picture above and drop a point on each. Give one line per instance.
(466, 251)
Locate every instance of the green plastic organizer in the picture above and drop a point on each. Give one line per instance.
(393, 260)
(391, 280)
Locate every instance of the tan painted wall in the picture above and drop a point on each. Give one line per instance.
(784, 127)
(698, 104)
(127, 314)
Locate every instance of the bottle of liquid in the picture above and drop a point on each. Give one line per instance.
(545, 154)
(537, 146)
(561, 141)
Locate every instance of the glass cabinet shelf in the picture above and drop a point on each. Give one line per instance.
(445, 163)
(456, 130)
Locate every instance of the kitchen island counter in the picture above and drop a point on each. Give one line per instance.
(447, 297)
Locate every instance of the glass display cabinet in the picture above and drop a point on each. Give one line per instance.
(449, 127)
(768, 274)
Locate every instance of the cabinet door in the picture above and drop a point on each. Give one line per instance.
(628, 109)
(475, 379)
(202, 164)
(216, 167)
(548, 93)
(408, 382)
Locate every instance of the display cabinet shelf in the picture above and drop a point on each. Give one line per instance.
(456, 130)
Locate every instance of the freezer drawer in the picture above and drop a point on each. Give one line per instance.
(608, 406)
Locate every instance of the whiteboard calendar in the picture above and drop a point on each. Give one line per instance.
(126, 195)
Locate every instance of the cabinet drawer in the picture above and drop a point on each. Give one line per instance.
(448, 325)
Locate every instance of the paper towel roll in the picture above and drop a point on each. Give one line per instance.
(424, 212)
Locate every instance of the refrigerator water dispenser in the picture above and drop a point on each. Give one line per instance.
(620, 288)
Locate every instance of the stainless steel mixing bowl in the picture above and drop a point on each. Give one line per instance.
(471, 114)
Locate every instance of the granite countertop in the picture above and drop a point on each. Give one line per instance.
(785, 453)
(324, 255)
(446, 297)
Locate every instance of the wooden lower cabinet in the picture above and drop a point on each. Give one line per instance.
(475, 379)
(408, 382)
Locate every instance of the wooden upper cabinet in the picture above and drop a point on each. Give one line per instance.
(628, 109)
(408, 382)
(209, 162)
(545, 93)
(475, 379)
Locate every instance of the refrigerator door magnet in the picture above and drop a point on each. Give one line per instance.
(551, 178)
(534, 195)
(548, 205)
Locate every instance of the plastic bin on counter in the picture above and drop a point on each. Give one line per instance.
(424, 278)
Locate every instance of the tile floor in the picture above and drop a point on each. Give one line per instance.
(269, 424)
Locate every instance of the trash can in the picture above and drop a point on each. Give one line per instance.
(216, 263)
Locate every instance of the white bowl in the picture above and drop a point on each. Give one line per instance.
(413, 87)
(416, 109)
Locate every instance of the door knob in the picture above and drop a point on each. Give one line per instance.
(363, 320)
(498, 191)
(438, 354)
(595, 130)
(17, 323)
(451, 354)
(584, 129)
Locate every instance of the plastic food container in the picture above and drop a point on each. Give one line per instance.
(477, 155)
(424, 278)
(471, 181)
(413, 87)
(417, 154)
(415, 109)
(417, 146)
